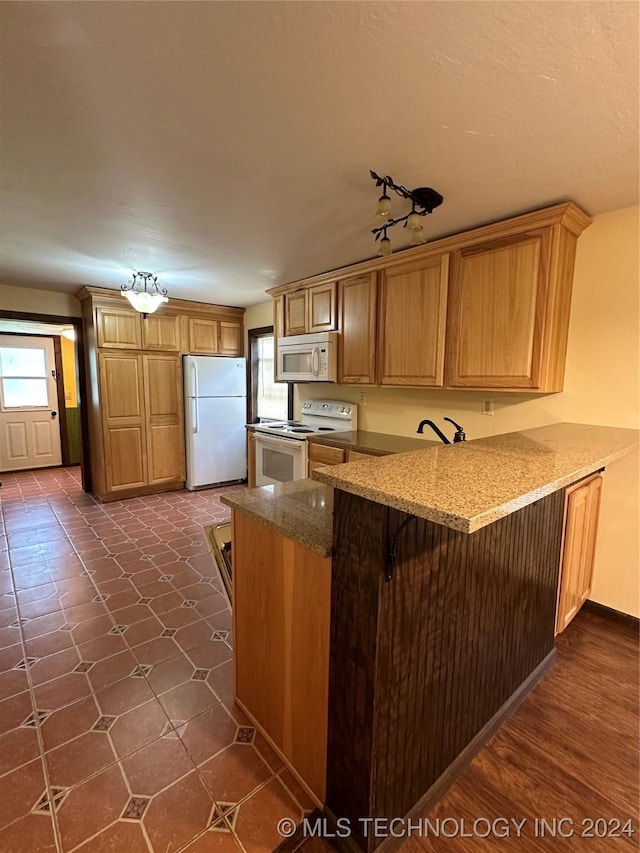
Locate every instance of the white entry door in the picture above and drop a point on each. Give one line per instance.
(29, 422)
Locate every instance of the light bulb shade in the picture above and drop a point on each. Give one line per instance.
(418, 236)
(143, 301)
(413, 222)
(384, 207)
(385, 246)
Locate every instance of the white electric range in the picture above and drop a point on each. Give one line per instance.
(281, 446)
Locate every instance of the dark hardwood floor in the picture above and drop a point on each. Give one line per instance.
(570, 750)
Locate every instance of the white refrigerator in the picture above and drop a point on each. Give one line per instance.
(215, 393)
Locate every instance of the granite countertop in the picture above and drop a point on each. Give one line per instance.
(468, 485)
(375, 443)
(301, 510)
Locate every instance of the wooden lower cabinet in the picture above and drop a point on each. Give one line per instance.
(281, 606)
(164, 419)
(582, 509)
(359, 455)
(123, 421)
(141, 415)
(325, 454)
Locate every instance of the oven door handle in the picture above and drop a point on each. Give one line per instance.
(277, 442)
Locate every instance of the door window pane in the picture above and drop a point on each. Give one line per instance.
(272, 397)
(22, 361)
(17, 393)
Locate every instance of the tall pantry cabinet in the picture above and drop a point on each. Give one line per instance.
(134, 368)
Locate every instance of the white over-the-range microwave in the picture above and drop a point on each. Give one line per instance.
(308, 358)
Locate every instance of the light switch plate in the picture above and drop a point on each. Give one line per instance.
(487, 406)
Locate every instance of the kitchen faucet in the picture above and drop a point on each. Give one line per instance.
(459, 435)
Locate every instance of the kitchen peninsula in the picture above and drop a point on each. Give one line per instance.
(443, 584)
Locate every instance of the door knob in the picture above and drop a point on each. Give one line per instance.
(54, 414)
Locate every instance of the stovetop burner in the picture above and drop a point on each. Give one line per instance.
(318, 417)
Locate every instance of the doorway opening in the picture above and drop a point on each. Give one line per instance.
(43, 417)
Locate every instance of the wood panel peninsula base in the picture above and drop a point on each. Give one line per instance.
(426, 666)
(443, 594)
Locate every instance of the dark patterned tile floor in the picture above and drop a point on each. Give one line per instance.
(118, 728)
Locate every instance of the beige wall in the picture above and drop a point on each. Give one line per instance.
(38, 301)
(69, 372)
(602, 386)
(255, 317)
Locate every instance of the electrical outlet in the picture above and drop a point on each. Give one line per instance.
(362, 399)
(487, 406)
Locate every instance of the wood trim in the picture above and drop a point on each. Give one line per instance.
(252, 335)
(611, 614)
(81, 354)
(566, 214)
(62, 403)
(107, 497)
(102, 296)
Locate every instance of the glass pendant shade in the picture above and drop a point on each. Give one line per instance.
(413, 222)
(385, 246)
(418, 236)
(384, 207)
(145, 302)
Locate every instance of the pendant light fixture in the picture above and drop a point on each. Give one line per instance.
(144, 294)
(423, 201)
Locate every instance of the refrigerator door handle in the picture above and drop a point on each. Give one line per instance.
(196, 419)
(194, 379)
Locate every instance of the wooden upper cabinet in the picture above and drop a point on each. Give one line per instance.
(581, 526)
(123, 421)
(357, 299)
(321, 308)
(118, 328)
(497, 307)
(164, 418)
(310, 310)
(295, 313)
(161, 332)
(230, 338)
(203, 336)
(412, 320)
(484, 309)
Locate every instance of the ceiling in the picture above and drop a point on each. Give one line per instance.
(226, 146)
